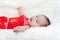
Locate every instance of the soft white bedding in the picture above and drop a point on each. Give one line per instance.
(48, 7)
(37, 33)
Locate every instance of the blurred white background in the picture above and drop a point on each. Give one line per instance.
(30, 7)
(57, 11)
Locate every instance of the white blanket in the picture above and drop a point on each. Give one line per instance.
(37, 33)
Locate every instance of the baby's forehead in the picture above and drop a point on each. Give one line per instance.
(41, 16)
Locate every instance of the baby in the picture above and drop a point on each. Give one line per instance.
(34, 21)
(22, 23)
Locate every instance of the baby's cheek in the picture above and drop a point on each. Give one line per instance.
(34, 24)
(34, 20)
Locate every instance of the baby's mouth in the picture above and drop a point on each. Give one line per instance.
(31, 19)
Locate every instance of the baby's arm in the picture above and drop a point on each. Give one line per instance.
(20, 28)
(20, 11)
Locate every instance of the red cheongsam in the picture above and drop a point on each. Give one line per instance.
(3, 22)
(18, 21)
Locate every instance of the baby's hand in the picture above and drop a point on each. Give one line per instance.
(20, 11)
(19, 8)
(20, 28)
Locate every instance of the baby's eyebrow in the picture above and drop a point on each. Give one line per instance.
(36, 16)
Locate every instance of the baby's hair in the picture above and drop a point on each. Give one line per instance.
(47, 20)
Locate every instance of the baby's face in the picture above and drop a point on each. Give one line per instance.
(38, 20)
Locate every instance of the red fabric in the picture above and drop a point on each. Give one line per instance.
(18, 21)
(3, 21)
(13, 22)
(2, 26)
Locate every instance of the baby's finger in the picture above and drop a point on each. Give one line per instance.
(16, 29)
(19, 8)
